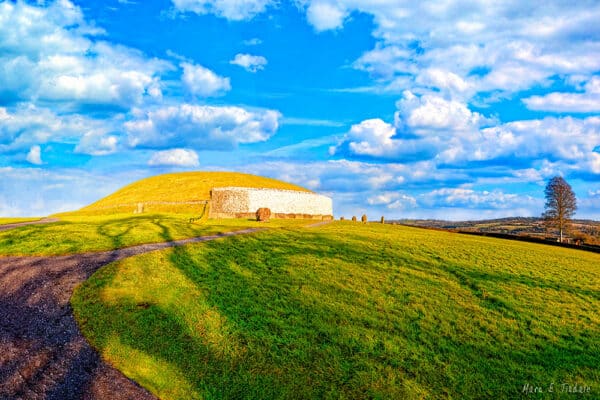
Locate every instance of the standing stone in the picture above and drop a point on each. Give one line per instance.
(263, 214)
(354, 218)
(342, 218)
(364, 218)
(139, 209)
(382, 220)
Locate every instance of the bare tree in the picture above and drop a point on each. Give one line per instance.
(560, 204)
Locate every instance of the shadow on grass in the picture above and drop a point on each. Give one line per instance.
(117, 230)
(298, 336)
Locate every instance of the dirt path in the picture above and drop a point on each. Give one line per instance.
(41, 221)
(318, 224)
(42, 352)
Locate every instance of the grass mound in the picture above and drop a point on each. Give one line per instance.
(180, 187)
(349, 311)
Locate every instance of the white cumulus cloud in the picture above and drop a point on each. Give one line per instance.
(469, 198)
(51, 53)
(433, 112)
(325, 15)
(35, 155)
(24, 126)
(249, 62)
(372, 137)
(200, 127)
(235, 10)
(435, 126)
(470, 50)
(384, 61)
(444, 80)
(579, 102)
(97, 143)
(448, 132)
(393, 200)
(202, 81)
(565, 102)
(174, 157)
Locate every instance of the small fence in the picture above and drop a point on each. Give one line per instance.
(194, 219)
(152, 206)
(151, 203)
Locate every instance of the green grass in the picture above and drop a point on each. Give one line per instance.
(180, 187)
(79, 234)
(6, 221)
(349, 311)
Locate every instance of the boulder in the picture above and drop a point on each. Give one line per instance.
(263, 214)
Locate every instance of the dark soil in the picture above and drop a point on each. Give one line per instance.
(42, 352)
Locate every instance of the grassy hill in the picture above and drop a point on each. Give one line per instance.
(179, 188)
(350, 311)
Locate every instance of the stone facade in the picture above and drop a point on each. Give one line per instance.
(240, 202)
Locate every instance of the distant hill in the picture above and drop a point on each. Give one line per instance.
(179, 191)
(588, 230)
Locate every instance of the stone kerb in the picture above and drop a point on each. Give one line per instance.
(241, 201)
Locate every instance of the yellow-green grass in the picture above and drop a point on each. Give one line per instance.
(80, 234)
(182, 187)
(350, 311)
(6, 221)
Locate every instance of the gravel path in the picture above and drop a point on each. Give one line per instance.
(41, 221)
(43, 355)
(318, 224)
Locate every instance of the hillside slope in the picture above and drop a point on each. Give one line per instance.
(350, 311)
(182, 187)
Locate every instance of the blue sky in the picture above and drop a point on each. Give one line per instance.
(448, 109)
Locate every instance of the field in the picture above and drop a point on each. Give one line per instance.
(349, 311)
(80, 234)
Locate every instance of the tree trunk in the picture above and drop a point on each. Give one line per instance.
(561, 235)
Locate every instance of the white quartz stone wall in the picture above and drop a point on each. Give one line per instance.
(248, 200)
(229, 200)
